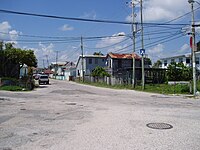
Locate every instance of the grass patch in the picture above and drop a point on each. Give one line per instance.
(11, 88)
(153, 88)
(104, 85)
(165, 89)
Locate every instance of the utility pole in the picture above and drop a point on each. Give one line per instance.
(193, 49)
(47, 61)
(56, 67)
(43, 64)
(82, 58)
(134, 28)
(142, 42)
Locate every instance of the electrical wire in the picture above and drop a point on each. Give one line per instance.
(82, 19)
(154, 43)
(182, 16)
(108, 45)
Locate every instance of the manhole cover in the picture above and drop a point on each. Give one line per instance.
(72, 103)
(7, 148)
(161, 126)
(4, 99)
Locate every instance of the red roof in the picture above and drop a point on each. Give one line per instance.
(123, 56)
(48, 72)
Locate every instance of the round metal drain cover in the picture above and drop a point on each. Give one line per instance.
(161, 126)
(72, 103)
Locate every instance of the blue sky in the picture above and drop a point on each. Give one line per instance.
(118, 10)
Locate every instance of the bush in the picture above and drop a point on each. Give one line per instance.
(9, 81)
(11, 88)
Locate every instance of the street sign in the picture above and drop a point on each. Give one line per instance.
(142, 52)
(191, 41)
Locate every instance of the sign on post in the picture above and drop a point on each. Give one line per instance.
(191, 42)
(142, 52)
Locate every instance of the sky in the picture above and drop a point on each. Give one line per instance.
(49, 36)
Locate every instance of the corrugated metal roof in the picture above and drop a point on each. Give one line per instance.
(48, 71)
(94, 56)
(123, 56)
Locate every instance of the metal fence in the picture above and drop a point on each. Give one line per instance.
(108, 80)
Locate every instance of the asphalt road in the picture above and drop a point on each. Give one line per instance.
(69, 116)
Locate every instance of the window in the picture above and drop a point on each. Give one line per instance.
(187, 60)
(102, 60)
(180, 59)
(90, 61)
(165, 62)
(172, 60)
(120, 63)
(96, 60)
(197, 60)
(110, 64)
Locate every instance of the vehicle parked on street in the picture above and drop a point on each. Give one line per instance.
(43, 79)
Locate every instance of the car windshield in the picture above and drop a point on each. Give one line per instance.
(43, 77)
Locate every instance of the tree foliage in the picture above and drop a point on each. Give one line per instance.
(15, 58)
(179, 72)
(147, 61)
(98, 53)
(21, 57)
(198, 46)
(157, 64)
(100, 72)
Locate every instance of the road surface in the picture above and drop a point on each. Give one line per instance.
(70, 116)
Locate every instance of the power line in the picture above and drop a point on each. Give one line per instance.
(108, 45)
(60, 17)
(154, 43)
(163, 40)
(81, 19)
(182, 16)
(62, 38)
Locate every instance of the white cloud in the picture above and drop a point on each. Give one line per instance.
(184, 49)
(43, 52)
(156, 52)
(111, 40)
(159, 10)
(48, 51)
(13, 35)
(7, 33)
(89, 15)
(5, 26)
(66, 27)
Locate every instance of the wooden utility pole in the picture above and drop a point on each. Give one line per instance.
(82, 63)
(142, 42)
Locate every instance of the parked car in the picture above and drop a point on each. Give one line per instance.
(43, 79)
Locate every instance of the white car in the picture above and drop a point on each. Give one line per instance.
(43, 79)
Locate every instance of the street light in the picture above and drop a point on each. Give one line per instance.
(192, 1)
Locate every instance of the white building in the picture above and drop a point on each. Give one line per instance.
(90, 62)
(63, 70)
(186, 59)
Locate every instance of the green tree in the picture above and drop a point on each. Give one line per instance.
(15, 57)
(179, 72)
(98, 53)
(1, 45)
(157, 64)
(198, 46)
(99, 72)
(21, 57)
(147, 61)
